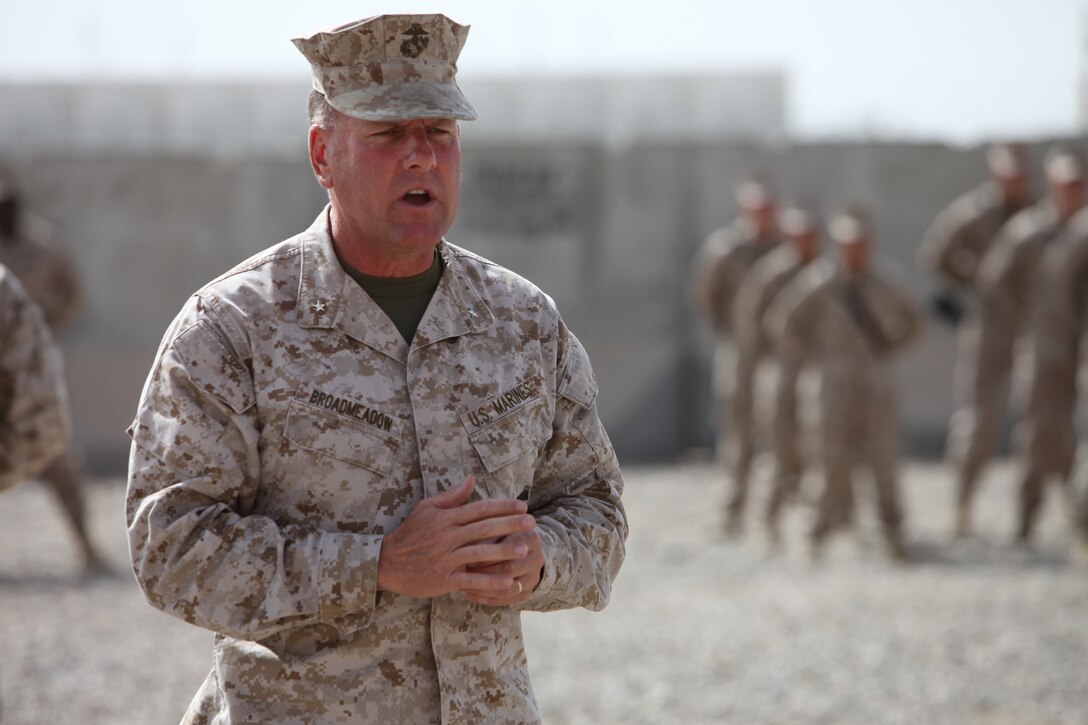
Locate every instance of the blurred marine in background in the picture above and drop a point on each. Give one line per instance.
(1015, 279)
(29, 250)
(850, 320)
(800, 229)
(34, 428)
(953, 249)
(718, 270)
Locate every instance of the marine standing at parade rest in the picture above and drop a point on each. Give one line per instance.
(850, 320)
(1015, 279)
(29, 248)
(953, 249)
(718, 270)
(362, 453)
(34, 427)
(801, 233)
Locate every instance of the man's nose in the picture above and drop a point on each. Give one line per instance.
(419, 154)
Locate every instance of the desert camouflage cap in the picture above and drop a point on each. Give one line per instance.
(850, 226)
(1064, 165)
(390, 67)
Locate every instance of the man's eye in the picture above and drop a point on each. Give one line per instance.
(439, 130)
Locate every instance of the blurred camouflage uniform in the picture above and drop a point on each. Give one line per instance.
(850, 326)
(28, 248)
(287, 427)
(35, 427)
(953, 250)
(718, 270)
(768, 276)
(1014, 279)
(1046, 435)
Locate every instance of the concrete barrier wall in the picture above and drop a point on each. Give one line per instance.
(608, 233)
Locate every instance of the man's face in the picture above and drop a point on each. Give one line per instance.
(1068, 196)
(1015, 189)
(394, 185)
(762, 218)
(806, 242)
(855, 256)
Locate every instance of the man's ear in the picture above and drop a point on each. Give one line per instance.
(319, 162)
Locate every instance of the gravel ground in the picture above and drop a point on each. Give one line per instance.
(700, 629)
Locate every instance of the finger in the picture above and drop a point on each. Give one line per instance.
(488, 509)
(474, 555)
(483, 584)
(455, 496)
(499, 527)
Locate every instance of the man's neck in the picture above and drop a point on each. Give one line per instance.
(367, 260)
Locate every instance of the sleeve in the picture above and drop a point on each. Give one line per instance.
(714, 282)
(791, 317)
(941, 247)
(194, 471)
(1002, 276)
(33, 396)
(576, 495)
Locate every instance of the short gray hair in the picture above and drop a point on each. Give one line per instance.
(321, 114)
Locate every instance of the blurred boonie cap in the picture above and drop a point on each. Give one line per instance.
(390, 67)
(754, 195)
(1063, 165)
(1006, 161)
(797, 220)
(848, 227)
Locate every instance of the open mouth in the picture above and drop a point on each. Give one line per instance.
(416, 197)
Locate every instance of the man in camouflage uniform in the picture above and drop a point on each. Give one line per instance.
(953, 249)
(720, 266)
(759, 288)
(28, 249)
(361, 454)
(851, 321)
(1015, 279)
(34, 428)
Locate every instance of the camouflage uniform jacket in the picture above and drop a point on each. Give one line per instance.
(1009, 277)
(45, 271)
(813, 316)
(761, 285)
(35, 426)
(720, 266)
(962, 234)
(1047, 433)
(286, 426)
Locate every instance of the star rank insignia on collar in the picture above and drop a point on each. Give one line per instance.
(319, 306)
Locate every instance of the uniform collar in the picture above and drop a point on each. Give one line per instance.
(329, 298)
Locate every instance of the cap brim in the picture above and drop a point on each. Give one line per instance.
(400, 101)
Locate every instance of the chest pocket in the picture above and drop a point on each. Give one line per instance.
(508, 447)
(342, 438)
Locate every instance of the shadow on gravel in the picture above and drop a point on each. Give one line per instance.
(46, 582)
(980, 554)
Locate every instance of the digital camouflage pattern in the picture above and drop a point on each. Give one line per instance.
(390, 67)
(953, 249)
(755, 345)
(33, 396)
(812, 321)
(286, 426)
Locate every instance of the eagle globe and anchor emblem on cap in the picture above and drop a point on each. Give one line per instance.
(417, 42)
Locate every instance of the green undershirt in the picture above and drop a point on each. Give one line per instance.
(402, 299)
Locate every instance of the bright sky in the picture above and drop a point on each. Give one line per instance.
(956, 70)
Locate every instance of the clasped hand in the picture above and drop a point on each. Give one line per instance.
(487, 551)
